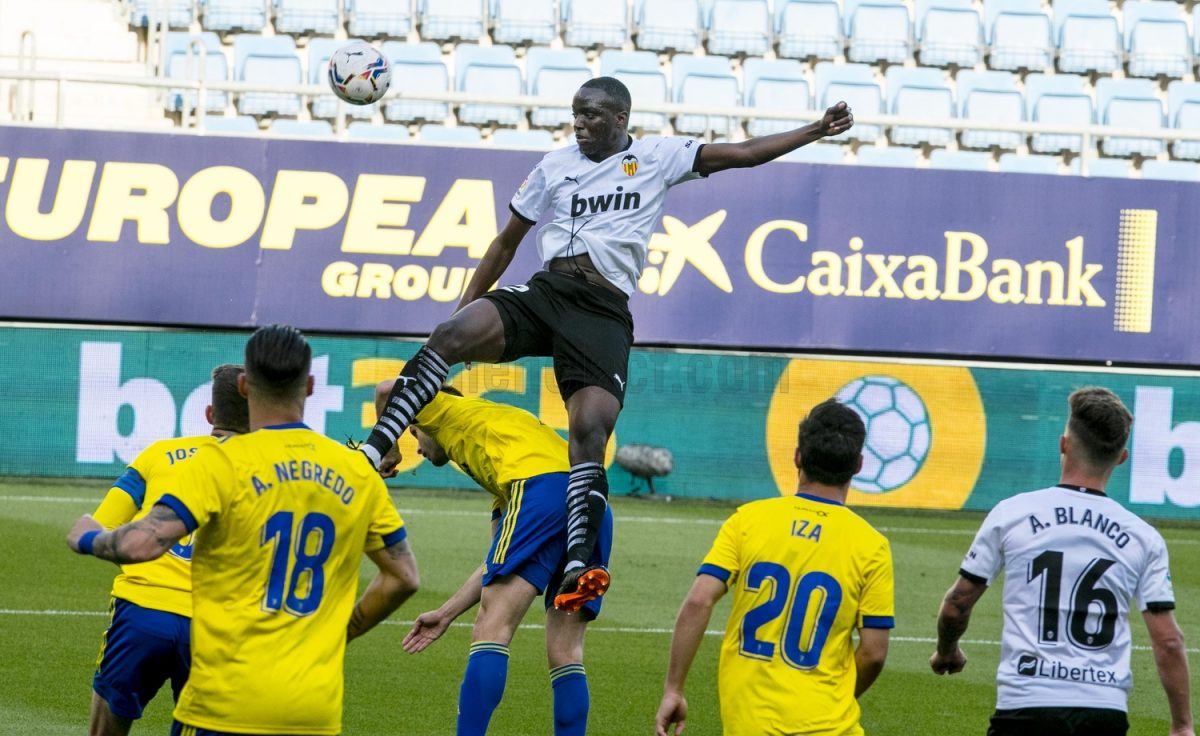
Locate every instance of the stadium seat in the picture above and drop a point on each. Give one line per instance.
(557, 74)
(668, 25)
(817, 153)
(1183, 110)
(704, 80)
(433, 133)
(960, 160)
(990, 97)
(538, 140)
(809, 29)
(306, 17)
(523, 22)
(1171, 170)
(177, 66)
(890, 156)
(416, 67)
(776, 85)
(1058, 99)
(373, 18)
(1156, 38)
(1015, 163)
(1019, 35)
(492, 71)
(640, 72)
(235, 15)
(591, 23)
(1087, 36)
(739, 27)
(878, 30)
(1129, 103)
(235, 124)
(856, 84)
(919, 93)
(325, 106)
(180, 13)
(1111, 168)
(287, 128)
(267, 60)
(451, 20)
(948, 33)
(360, 130)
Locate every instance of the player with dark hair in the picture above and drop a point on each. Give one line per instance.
(601, 201)
(805, 572)
(1073, 558)
(287, 514)
(148, 638)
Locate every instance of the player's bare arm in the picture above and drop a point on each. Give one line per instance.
(716, 157)
(397, 580)
(143, 540)
(495, 262)
(869, 658)
(953, 619)
(690, 624)
(1170, 657)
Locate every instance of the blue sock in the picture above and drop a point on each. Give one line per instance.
(571, 700)
(482, 687)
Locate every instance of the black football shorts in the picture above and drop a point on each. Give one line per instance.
(586, 328)
(1059, 722)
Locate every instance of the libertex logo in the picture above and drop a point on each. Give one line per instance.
(1032, 666)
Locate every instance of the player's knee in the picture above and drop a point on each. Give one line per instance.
(588, 441)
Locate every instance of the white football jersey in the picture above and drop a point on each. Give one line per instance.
(608, 209)
(1073, 561)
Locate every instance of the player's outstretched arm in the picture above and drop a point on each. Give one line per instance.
(716, 157)
(396, 582)
(869, 658)
(953, 619)
(1170, 656)
(143, 540)
(690, 624)
(494, 263)
(430, 625)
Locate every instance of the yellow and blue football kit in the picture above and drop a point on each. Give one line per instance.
(284, 515)
(148, 638)
(804, 572)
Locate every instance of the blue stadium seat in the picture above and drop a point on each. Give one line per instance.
(776, 85)
(433, 133)
(267, 60)
(1087, 35)
(361, 130)
(306, 17)
(668, 25)
(640, 72)
(234, 15)
(960, 160)
(878, 30)
(523, 22)
(809, 29)
(177, 66)
(1183, 110)
(1171, 170)
(739, 27)
(817, 153)
(492, 71)
(591, 23)
(856, 84)
(1059, 99)
(557, 74)
(538, 140)
(1156, 37)
(949, 33)
(373, 18)
(1019, 35)
(451, 20)
(325, 106)
(1129, 103)
(890, 156)
(704, 80)
(286, 128)
(180, 13)
(1015, 163)
(416, 67)
(237, 124)
(919, 93)
(990, 97)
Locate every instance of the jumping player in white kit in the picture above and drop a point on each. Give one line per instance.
(601, 201)
(1073, 560)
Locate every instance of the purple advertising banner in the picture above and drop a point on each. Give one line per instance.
(382, 239)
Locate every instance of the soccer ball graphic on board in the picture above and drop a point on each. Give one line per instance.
(898, 431)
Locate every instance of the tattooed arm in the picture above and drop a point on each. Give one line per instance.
(953, 618)
(143, 540)
(396, 582)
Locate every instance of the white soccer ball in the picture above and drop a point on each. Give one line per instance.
(358, 73)
(898, 431)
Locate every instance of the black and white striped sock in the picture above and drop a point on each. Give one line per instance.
(587, 500)
(416, 386)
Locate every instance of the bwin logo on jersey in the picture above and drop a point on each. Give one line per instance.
(612, 202)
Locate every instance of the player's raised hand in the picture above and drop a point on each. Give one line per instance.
(85, 524)
(948, 665)
(389, 463)
(427, 629)
(837, 120)
(672, 714)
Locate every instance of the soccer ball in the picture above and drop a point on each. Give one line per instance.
(898, 431)
(358, 73)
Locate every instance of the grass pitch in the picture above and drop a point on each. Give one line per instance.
(53, 603)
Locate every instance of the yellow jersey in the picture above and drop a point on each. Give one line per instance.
(283, 515)
(164, 584)
(804, 572)
(493, 443)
